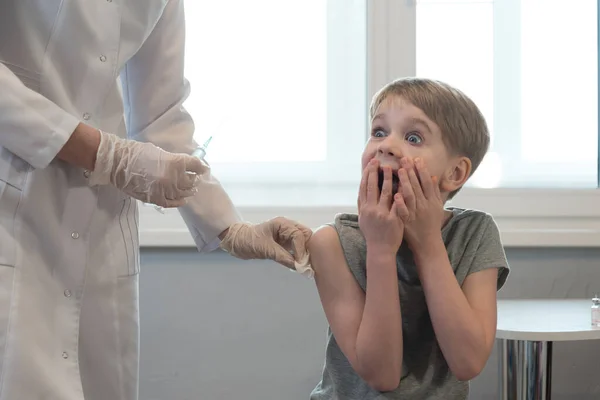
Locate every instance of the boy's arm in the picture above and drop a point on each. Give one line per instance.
(367, 327)
(464, 319)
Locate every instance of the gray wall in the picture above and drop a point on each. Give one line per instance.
(217, 328)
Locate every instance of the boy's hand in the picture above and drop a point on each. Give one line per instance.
(423, 200)
(380, 216)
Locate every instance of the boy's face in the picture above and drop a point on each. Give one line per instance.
(398, 130)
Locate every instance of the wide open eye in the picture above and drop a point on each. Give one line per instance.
(378, 133)
(414, 138)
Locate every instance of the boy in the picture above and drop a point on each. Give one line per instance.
(409, 287)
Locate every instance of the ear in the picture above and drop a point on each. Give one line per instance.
(456, 176)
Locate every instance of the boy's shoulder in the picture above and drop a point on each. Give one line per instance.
(323, 237)
(466, 223)
(468, 214)
(473, 219)
(473, 242)
(348, 231)
(341, 242)
(461, 226)
(343, 231)
(345, 219)
(471, 237)
(344, 225)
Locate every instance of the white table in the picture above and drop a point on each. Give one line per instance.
(527, 329)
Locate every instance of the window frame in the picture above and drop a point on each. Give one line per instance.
(525, 217)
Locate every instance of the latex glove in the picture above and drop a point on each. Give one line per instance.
(270, 240)
(145, 171)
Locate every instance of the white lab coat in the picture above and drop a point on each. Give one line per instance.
(69, 260)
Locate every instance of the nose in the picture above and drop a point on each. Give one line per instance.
(387, 148)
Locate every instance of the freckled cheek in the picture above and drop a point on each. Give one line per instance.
(434, 168)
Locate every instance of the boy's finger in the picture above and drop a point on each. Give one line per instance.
(372, 182)
(407, 190)
(416, 185)
(425, 178)
(362, 190)
(386, 189)
(399, 207)
(409, 166)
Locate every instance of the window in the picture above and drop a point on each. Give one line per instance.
(283, 88)
(531, 66)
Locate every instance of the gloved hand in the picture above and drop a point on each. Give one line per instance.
(270, 240)
(145, 172)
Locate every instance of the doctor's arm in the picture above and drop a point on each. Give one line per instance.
(154, 90)
(38, 131)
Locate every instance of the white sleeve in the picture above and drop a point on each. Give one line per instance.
(31, 126)
(154, 89)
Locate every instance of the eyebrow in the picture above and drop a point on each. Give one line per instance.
(419, 121)
(378, 116)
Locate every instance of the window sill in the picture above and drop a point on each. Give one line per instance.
(526, 218)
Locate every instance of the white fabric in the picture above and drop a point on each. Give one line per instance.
(69, 259)
(304, 267)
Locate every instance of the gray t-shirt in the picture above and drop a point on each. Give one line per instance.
(473, 243)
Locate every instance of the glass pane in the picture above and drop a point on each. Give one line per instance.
(258, 78)
(559, 81)
(531, 66)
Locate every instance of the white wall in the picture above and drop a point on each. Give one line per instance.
(216, 328)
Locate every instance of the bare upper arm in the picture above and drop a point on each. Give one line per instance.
(342, 298)
(480, 289)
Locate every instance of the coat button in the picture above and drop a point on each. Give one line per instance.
(75, 235)
(67, 293)
(65, 355)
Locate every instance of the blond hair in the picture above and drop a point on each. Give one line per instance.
(464, 130)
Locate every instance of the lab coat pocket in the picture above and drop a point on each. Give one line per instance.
(128, 222)
(13, 173)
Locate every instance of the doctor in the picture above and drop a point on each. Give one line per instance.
(69, 177)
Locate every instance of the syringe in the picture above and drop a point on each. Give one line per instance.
(200, 153)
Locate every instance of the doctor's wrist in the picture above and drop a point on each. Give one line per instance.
(223, 234)
(82, 147)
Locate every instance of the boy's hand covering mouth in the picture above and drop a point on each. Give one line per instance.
(380, 213)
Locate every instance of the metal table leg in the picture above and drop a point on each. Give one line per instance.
(525, 370)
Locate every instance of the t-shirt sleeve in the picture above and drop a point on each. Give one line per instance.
(490, 252)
